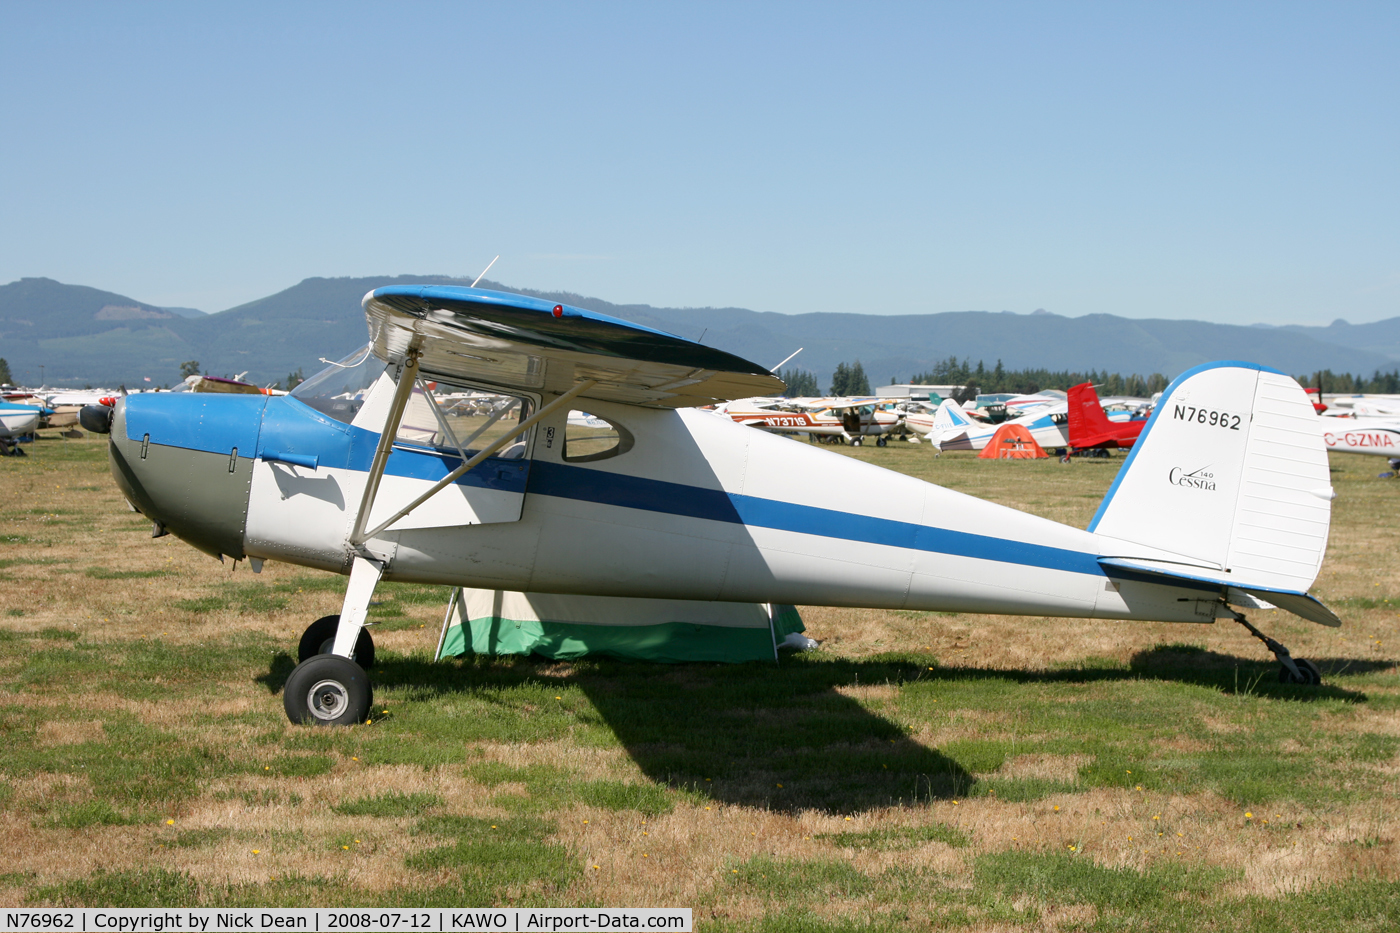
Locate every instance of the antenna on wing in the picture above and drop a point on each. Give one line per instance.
(780, 365)
(486, 270)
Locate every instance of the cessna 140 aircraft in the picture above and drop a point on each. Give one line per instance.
(1227, 508)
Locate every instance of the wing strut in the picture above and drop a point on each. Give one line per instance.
(360, 536)
(407, 378)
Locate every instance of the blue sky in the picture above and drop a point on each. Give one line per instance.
(1229, 162)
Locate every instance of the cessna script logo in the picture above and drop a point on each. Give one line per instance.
(1197, 479)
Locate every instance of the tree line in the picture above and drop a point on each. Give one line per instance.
(953, 371)
(1331, 383)
(850, 379)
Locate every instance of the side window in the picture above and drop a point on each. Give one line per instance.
(466, 417)
(588, 437)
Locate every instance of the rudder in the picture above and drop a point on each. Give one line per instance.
(1085, 414)
(1230, 475)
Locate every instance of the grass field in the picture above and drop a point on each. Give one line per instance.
(922, 770)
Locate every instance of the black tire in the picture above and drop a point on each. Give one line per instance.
(1310, 671)
(881, 442)
(1312, 677)
(319, 637)
(327, 690)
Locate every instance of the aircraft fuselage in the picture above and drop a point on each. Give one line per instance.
(699, 508)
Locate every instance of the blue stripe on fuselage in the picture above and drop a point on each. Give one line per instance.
(217, 423)
(571, 482)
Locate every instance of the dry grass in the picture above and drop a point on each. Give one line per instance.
(116, 738)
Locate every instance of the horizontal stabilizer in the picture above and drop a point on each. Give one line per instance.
(1300, 604)
(1309, 607)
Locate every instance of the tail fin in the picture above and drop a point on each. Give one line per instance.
(950, 415)
(1230, 479)
(1086, 416)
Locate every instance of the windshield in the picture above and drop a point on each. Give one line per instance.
(340, 389)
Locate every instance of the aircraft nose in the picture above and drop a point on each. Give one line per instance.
(184, 460)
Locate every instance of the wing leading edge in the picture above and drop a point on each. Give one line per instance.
(519, 342)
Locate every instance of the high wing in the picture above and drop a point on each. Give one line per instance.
(517, 342)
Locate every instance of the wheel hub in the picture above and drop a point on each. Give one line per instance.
(327, 700)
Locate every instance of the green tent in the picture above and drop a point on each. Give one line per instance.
(669, 630)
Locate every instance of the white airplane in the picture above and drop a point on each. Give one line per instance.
(850, 419)
(1202, 518)
(933, 420)
(1361, 435)
(1025, 404)
(80, 397)
(1365, 406)
(17, 420)
(950, 427)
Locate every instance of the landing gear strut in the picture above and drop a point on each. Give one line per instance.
(329, 687)
(1291, 670)
(319, 638)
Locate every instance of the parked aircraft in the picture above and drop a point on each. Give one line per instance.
(1361, 435)
(80, 397)
(17, 420)
(951, 428)
(1205, 516)
(1091, 428)
(1366, 406)
(851, 419)
(1019, 405)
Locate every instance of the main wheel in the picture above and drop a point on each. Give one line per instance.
(319, 638)
(1311, 675)
(327, 690)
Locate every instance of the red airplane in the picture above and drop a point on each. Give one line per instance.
(1090, 427)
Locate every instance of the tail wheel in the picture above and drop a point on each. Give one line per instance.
(328, 690)
(1311, 676)
(319, 638)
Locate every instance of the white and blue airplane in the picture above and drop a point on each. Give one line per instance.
(1206, 516)
(950, 428)
(17, 419)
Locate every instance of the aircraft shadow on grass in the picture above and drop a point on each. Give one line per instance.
(782, 738)
(786, 738)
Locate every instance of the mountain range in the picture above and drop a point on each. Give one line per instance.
(82, 335)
